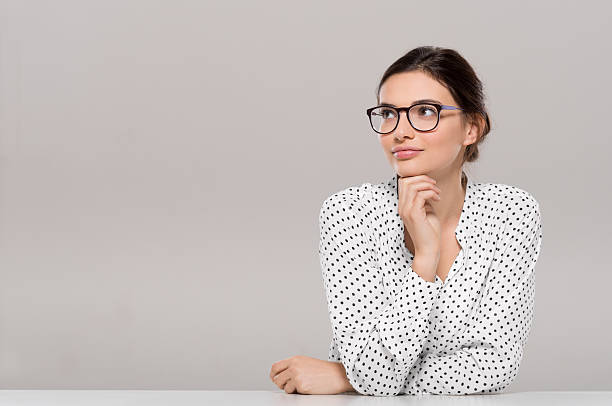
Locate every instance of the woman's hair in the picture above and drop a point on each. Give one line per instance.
(455, 73)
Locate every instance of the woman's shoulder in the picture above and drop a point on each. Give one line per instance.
(515, 201)
(507, 193)
(354, 197)
(364, 193)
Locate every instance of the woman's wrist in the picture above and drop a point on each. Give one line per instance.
(425, 266)
(346, 384)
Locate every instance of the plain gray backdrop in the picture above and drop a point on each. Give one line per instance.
(163, 163)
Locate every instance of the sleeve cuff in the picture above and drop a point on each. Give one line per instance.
(424, 291)
(436, 284)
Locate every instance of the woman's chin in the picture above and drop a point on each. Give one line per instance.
(408, 170)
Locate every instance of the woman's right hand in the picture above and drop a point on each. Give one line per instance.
(420, 221)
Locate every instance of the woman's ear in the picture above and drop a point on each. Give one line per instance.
(475, 127)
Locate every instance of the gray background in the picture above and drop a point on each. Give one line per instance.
(162, 166)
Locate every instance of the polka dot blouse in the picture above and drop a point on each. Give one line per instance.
(396, 332)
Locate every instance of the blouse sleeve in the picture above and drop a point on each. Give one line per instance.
(333, 354)
(378, 338)
(491, 347)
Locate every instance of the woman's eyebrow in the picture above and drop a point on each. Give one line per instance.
(414, 102)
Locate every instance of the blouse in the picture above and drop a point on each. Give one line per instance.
(397, 333)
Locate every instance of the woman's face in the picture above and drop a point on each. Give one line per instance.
(443, 147)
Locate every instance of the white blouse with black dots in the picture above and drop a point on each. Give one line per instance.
(393, 331)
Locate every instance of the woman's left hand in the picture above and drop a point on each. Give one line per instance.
(312, 376)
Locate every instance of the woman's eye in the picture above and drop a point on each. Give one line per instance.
(426, 111)
(388, 114)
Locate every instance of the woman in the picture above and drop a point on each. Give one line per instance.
(429, 276)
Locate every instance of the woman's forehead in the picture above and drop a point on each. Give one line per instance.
(403, 89)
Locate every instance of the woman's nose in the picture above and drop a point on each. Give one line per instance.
(403, 127)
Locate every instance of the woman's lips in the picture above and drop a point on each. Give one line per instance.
(408, 153)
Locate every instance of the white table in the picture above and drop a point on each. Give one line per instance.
(278, 398)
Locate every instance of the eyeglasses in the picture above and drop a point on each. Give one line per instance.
(421, 116)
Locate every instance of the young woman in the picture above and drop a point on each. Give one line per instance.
(429, 276)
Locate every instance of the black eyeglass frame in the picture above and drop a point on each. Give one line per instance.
(439, 108)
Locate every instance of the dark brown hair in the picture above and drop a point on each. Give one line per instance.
(449, 68)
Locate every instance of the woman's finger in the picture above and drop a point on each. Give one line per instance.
(289, 387)
(405, 196)
(421, 198)
(282, 378)
(410, 204)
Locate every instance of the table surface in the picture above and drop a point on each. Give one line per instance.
(278, 397)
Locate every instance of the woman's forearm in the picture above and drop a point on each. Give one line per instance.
(425, 266)
(347, 387)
